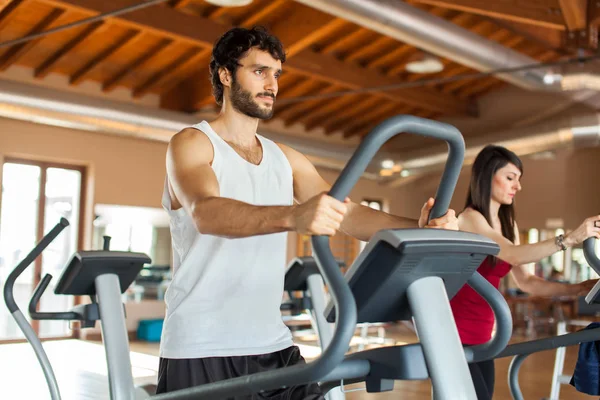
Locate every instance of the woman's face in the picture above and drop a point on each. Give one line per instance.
(505, 184)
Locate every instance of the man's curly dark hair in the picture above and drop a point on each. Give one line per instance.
(233, 45)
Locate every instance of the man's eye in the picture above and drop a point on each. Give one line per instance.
(258, 72)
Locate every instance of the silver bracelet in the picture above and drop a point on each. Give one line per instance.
(559, 241)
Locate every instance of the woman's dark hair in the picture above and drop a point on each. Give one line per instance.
(488, 161)
(233, 45)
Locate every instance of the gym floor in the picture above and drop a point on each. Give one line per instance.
(81, 371)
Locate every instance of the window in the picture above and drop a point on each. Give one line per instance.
(35, 195)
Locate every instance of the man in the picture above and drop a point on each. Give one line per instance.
(230, 194)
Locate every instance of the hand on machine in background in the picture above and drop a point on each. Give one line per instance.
(586, 286)
(448, 221)
(589, 228)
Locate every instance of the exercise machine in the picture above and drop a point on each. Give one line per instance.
(302, 275)
(103, 276)
(402, 274)
(520, 351)
(584, 310)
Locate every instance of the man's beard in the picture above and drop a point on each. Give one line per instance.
(243, 101)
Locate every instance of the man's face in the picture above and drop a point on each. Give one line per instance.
(254, 86)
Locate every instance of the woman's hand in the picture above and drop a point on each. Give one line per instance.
(589, 228)
(585, 287)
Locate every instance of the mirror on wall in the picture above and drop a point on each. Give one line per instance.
(138, 229)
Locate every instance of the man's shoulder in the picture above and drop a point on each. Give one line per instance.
(189, 135)
(192, 146)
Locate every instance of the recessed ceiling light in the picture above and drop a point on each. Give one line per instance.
(229, 3)
(387, 164)
(426, 64)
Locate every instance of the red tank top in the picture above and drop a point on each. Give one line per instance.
(474, 317)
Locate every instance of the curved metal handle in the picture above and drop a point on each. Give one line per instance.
(414, 125)
(590, 254)
(37, 294)
(33, 254)
(342, 297)
(35, 299)
(503, 317)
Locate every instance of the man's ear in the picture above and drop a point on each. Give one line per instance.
(225, 76)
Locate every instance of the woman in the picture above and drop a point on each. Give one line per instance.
(490, 212)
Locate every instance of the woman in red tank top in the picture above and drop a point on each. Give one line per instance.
(489, 211)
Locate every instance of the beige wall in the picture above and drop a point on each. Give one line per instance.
(130, 171)
(125, 171)
(565, 187)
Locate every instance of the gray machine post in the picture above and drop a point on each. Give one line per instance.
(316, 288)
(446, 360)
(444, 354)
(114, 334)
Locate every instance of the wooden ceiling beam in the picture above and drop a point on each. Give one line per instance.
(164, 78)
(293, 114)
(135, 64)
(575, 13)
(451, 87)
(180, 3)
(258, 16)
(328, 111)
(7, 12)
(346, 117)
(511, 10)
(81, 74)
(161, 21)
(175, 25)
(4, 4)
(461, 19)
(330, 69)
(368, 119)
(303, 27)
(547, 38)
(390, 57)
(306, 87)
(377, 45)
(347, 40)
(16, 52)
(46, 67)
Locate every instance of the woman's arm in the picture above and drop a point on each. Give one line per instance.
(538, 286)
(519, 254)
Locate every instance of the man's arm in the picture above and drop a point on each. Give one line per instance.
(360, 221)
(194, 187)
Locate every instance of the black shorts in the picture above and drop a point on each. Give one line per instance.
(175, 374)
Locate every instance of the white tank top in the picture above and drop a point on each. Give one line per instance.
(225, 294)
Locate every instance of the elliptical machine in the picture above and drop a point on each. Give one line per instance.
(520, 351)
(402, 274)
(103, 276)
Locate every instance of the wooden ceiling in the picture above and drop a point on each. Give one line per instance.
(165, 50)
